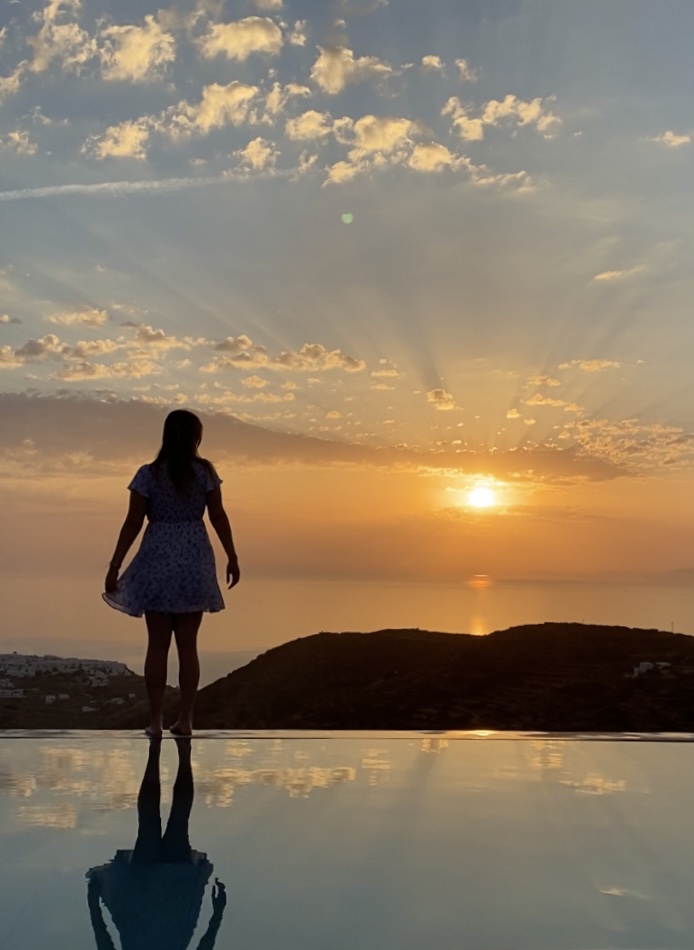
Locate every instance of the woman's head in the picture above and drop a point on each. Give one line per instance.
(182, 434)
(179, 447)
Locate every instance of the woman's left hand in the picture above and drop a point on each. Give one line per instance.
(111, 582)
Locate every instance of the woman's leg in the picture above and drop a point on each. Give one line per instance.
(186, 632)
(148, 844)
(175, 845)
(159, 630)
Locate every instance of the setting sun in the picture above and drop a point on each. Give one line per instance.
(481, 498)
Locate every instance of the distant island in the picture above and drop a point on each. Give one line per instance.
(548, 677)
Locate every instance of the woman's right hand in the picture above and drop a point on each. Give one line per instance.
(233, 573)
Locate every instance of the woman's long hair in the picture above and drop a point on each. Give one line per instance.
(179, 448)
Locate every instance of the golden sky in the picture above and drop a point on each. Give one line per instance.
(422, 269)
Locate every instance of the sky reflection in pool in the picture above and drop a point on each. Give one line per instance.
(363, 842)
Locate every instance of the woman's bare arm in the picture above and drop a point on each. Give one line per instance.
(130, 530)
(220, 522)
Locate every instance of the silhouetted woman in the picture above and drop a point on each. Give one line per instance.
(154, 892)
(172, 578)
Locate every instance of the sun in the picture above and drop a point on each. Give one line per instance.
(481, 498)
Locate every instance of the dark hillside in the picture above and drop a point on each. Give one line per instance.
(550, 676)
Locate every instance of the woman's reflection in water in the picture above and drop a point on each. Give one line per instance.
(154, 892)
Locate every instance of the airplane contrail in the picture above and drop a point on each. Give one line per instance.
(110, 189)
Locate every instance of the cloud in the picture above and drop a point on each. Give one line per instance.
(87, 318)
(128, 139)
(377, 142)
(521, 112)
(146, 336)
(279, 96)
(130, 369)
(136, 53)
(510, 110)
(591, 366)
(432, 157)
(10, 84)
(242, 353)
(672, 139)
(18, 141)
(258, 154)
(465, 72)
(618, 274)
(440, 399)
(513, 414)
(254, 382)
(242, 38)
(630, 443)
(470, 129)
(543, 381)
(540, 400)
(116, 432)
(6, 318)
(66, 43)
(219, 105)
(298, 35)
(336, 68)
(309, 125)
(267, 5)
(431, 64)
(381, 134)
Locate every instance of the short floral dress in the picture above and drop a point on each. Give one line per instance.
(174, 570)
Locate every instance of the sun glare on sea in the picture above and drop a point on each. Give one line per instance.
(481, 497)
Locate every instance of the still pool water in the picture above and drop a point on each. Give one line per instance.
(366, 841)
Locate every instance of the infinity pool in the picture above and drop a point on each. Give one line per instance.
(366, 841)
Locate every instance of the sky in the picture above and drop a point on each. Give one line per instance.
(423, 270)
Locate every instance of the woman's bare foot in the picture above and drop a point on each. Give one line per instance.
(180, 728)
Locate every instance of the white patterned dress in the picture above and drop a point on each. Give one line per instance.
(174, 570)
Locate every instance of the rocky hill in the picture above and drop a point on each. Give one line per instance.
(552, 676)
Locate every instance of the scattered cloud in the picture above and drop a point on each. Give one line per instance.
(241, 353)
(254, 382)
(87, 318)
(136, 53)
(511, 110)
(6, 318)
(309, 125)
(431, 64)
(672, 139)
(126, 140)
(465, 72)
(242, 38)
(18, 141)
(298, 35)
(440, 399)
(130, 369)
(336, 68)
(59, 41)
(513, 414)
(540, 400)
(618, 274)
(543, 381)
(432, 157)
(258, 154)
(279, 96)
(591, 366)
(10, 84)
(268, 5)
(219, 105)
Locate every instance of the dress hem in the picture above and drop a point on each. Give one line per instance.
(134, 613)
